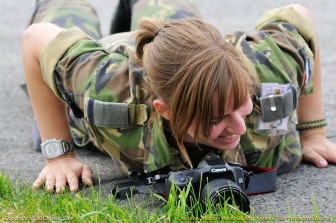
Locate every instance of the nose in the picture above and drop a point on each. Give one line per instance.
(236, 124)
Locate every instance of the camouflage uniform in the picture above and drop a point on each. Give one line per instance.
(95, 74)
(278, 52)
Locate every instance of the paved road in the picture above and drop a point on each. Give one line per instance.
(296, 192)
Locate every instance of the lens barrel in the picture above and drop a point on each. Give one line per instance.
(222, 192)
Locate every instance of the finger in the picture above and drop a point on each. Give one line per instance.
(87, 176)
(50, 183)
(330, 153)
(73, 182)
(315, 158)
(39, 182)
(60, 184)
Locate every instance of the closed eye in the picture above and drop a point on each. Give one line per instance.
(217, 120)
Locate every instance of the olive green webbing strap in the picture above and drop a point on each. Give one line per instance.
(116, 115)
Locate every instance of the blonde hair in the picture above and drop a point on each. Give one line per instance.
(187, 61)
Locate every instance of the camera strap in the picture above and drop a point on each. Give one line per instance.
(140, 183)
(129, 188)
(260, 180)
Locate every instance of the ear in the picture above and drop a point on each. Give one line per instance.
(161, 107)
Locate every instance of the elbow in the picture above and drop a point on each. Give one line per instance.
(36, 36)
(30, 34)
(30, 39)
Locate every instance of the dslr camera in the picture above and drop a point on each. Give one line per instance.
(214, 180)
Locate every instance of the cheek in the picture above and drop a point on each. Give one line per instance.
(216, 131)
(248, 108)
(191, 130)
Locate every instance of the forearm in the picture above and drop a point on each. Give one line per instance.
(311, 106)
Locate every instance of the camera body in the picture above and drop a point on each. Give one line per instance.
(216, 180)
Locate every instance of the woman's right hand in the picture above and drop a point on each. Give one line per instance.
(62, 171)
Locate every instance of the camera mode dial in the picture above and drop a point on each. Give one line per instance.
(181, 180)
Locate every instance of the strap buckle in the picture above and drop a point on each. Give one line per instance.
(156, 178)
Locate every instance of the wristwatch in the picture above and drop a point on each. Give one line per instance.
(53, 148)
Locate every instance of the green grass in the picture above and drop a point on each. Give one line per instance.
(21, 203)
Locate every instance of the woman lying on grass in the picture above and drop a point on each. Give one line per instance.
(173, 90)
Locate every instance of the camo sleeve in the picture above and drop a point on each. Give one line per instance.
(102, 73)
(281, 50)
(54, 51)
(85, 68)
(290, 15)
(295, 35)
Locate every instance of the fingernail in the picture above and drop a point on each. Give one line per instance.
(88, 181)
(73, 188)
(323, 163)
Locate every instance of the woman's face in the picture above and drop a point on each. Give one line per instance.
(225, 134)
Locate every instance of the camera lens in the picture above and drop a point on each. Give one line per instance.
(222, 192)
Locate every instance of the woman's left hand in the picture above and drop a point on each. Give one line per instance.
(317, 148)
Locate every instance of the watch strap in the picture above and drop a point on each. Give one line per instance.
(68, 145)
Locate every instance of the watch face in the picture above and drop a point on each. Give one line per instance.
(53, 149)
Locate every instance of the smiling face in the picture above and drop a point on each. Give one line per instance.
(186, 70)
(225, 133)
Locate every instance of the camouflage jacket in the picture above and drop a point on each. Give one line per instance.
(105, 82)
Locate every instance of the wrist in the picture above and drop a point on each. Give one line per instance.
(53, 148)
(67, 155)
(315, 124)
(317, 131)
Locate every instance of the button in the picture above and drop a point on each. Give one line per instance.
(183, 179)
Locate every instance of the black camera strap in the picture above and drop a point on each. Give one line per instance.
(260, 180)
(140, 183)
(129, 188)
